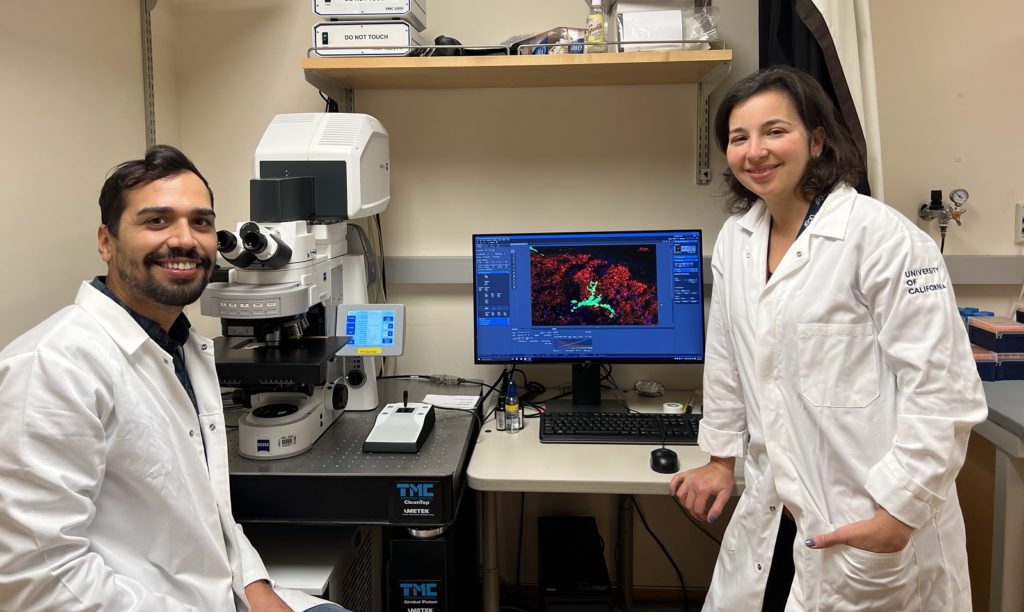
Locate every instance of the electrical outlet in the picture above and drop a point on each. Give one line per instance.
(1018, 224)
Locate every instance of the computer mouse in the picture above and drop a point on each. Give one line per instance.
(664, 461)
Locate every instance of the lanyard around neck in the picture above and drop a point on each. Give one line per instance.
(811, 211)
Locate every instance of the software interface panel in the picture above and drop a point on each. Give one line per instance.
(599, 296)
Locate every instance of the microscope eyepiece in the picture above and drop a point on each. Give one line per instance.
(268, 248)
(229, 247)
(255, 243)
(226, 241)
(252, 237)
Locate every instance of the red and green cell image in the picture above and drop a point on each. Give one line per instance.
(587, 285)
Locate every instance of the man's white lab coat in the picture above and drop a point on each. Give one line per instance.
(848, 383)
(108, 499)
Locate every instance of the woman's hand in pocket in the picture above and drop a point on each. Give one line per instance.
(882, 533)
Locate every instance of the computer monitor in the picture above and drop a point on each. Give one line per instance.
(588, 298)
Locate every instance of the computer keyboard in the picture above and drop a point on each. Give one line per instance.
(618, 428)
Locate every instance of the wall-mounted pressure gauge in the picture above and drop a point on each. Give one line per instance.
(959, 196)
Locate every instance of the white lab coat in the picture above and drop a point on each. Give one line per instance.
(847, 382)
(108, 500)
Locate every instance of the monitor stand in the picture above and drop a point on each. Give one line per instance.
(586, 393)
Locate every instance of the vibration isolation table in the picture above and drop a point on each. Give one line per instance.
(415, 498)
(335, 482)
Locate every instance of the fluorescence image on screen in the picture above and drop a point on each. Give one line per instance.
(590, 285)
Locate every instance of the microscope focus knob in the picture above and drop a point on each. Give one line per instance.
(355, 378)
(339, 398)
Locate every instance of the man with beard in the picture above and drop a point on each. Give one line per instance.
(113, 462)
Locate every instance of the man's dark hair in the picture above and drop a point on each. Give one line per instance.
(160, 162)
(839, 160)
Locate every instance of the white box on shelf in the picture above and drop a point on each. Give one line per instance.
(413, 12)
(639, 22)
(629, 6)
(343, 38)
(641, 26)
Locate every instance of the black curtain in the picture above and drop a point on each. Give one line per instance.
(793, 33)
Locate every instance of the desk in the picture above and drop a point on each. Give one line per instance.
(520, 463)
(1005, 429)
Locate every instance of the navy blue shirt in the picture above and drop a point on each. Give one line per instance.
(172, 341)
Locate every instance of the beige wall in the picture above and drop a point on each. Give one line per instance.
(71, 109)
(470, 160)
(167, 107)
(949, 88)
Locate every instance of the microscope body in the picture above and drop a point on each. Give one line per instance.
(289, 269)
(279, 342)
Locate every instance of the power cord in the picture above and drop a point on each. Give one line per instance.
(330, 105)
(679, 574)
(440, 379)
(383, 268)
(606, 370)
(703, 530)
(559, 396)
(492, 388)
(530, 390)
(479, 421)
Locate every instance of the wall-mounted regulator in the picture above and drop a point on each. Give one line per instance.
(944, 212)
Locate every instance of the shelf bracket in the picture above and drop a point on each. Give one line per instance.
(704, 88)
(348, 102)
(145, 15)
(344, 96)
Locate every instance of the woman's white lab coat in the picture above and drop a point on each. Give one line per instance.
(847, 382)
(108, 498)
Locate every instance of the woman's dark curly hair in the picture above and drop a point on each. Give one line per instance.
(840, 160)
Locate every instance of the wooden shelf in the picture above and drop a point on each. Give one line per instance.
(339, 77)
(332, 74)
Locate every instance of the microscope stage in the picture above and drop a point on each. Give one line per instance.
(241, 361)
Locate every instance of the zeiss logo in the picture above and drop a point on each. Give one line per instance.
(262, 446)
(414, 489)
(418, 589)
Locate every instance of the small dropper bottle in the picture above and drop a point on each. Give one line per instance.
(513, 412)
